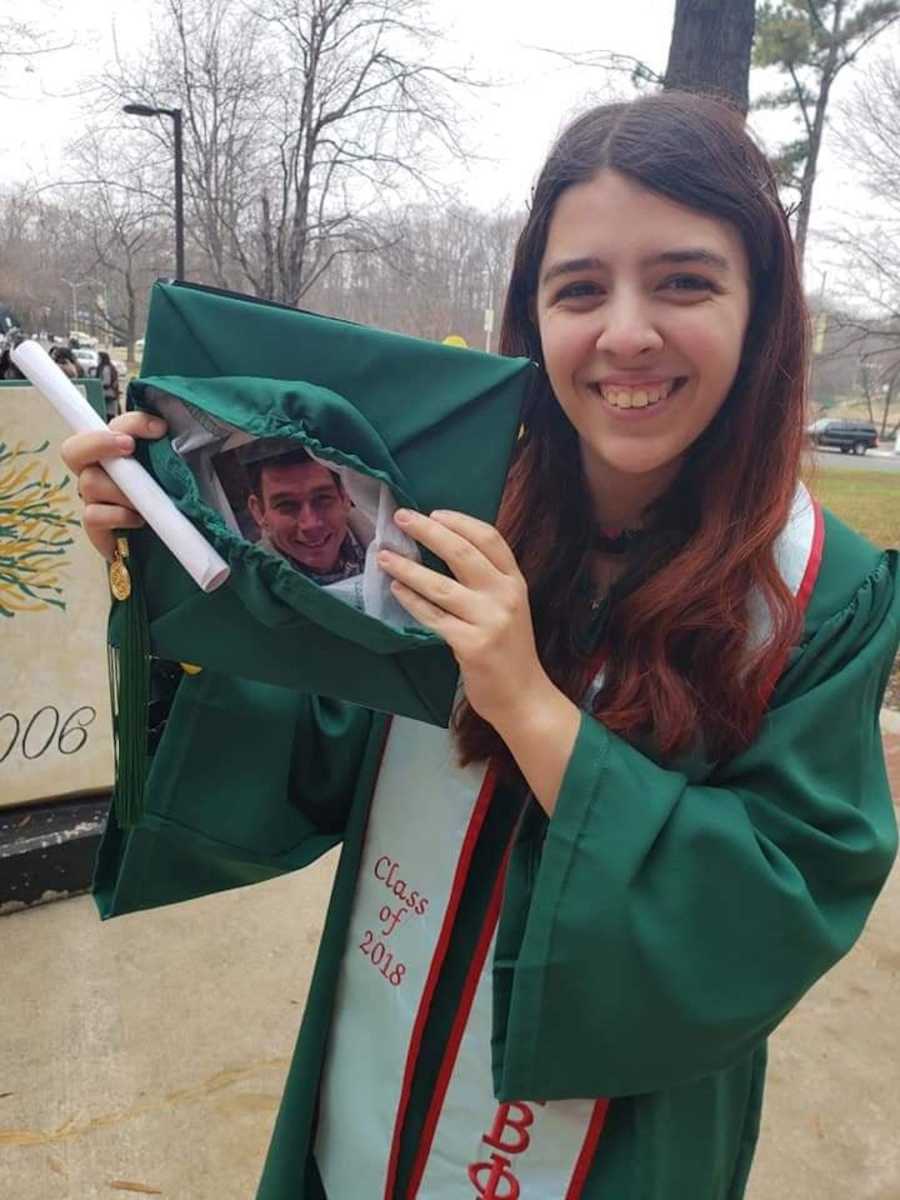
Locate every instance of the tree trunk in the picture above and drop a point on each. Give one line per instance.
(710, 48)
(829, 71)
(130, 320)
(306, 152)
(886, 412)
(869, 405)
(268, 245)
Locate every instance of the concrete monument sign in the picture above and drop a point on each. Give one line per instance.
(55, 724)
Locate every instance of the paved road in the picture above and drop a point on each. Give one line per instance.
(861, 462)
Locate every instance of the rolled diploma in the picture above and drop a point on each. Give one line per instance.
(190, 547)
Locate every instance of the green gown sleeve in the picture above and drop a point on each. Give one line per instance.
(669, 925)
(249, 781)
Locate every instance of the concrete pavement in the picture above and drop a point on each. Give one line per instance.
(832, 1115)
(146, 1056)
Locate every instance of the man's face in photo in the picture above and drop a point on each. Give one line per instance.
(303, 510)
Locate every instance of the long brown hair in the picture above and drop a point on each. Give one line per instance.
(677, 666)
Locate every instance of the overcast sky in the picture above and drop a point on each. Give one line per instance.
(43, 106)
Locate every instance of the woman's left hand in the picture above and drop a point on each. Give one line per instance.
(483, 613)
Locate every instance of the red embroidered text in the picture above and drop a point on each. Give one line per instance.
(386, 870)
(493, 1178)
(510, 1130)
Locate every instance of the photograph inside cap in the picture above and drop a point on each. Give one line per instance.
(328, 525)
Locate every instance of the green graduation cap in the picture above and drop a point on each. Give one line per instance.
(393, 419)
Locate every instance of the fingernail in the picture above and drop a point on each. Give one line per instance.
(124, 442)
(402, 516)
(383, 556)
(155, 425)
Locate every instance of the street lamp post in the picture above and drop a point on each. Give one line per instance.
(146, 110)
(75, 287)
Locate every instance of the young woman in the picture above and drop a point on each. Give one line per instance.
(109, 377)
(561, 933)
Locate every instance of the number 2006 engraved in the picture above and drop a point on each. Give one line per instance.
(380, 957)
(45, 727)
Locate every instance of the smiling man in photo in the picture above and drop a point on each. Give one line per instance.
(302, 511)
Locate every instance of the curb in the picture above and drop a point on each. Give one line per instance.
(47, 851)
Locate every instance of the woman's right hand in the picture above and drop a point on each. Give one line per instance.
(105, 507)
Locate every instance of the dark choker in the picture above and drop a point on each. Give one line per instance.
(617, 541)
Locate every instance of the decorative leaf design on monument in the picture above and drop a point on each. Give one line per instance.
(35, 518)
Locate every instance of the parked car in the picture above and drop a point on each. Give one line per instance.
(89, 360)
(850, 437)
(80, 338)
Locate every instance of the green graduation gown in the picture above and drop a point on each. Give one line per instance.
(651, 933)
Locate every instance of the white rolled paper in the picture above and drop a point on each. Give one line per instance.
(201, 561)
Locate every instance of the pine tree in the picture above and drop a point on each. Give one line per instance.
(811, 41)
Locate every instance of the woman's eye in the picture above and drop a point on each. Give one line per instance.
(689, 283)
(578, 290)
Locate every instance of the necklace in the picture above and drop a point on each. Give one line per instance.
(617, 541)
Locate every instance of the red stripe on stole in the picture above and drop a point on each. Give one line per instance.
(458, 1028)
(440, 953)
(811, 573)
(588, 1150)
(598, 1117)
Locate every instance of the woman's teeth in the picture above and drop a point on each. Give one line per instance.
(621, 397)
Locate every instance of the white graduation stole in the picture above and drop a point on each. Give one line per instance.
(424, 822)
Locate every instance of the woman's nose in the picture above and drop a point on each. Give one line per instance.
(628, 328)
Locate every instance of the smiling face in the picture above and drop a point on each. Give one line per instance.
(642, 307)
(303, 510)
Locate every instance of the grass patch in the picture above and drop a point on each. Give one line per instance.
(868, 501)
